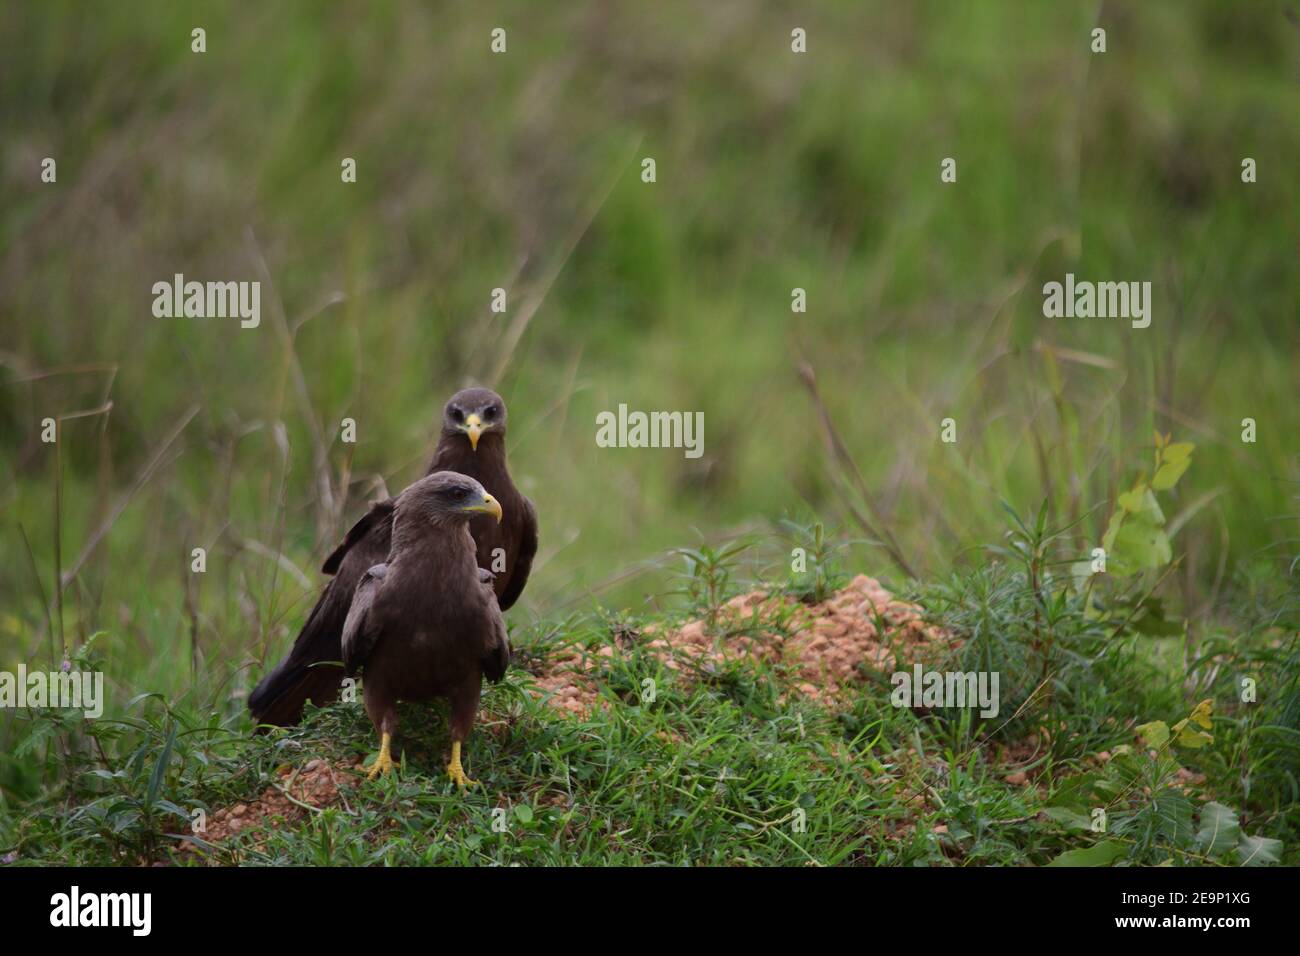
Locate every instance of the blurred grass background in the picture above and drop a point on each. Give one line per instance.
(775, 171)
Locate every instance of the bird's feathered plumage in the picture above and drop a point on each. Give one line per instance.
(424, 623)
(358, 636)
(310, 671)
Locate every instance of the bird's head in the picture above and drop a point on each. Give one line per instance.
(474, 412)
(446, 497)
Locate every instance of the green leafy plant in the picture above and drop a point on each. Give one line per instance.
(708, 576)
(1136, 537)
(820, 575)
(1141, 802)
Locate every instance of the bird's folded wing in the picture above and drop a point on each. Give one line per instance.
(359, 632)
(496, 656)
(524, 559)
(379, 512)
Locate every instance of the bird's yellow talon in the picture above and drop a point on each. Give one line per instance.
(384, 762)
(455, 771)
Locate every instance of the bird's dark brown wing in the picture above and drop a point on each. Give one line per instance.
(527, 532)
(310, 670)
(496, 656)
(359, 632)
(381, 512)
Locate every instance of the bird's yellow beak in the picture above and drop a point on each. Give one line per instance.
(489, 506)
(474, 428)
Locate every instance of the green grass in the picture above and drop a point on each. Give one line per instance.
(724, 768)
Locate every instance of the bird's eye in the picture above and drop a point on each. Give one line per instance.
(490, 412)
(460, 494)
(457, 415)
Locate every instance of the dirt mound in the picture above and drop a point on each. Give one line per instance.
(316, 785)
(826, 644)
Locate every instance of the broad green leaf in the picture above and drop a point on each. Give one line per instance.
(1173, 813)
(1075, 792)
(1259, 851)
(1135, 539)
(1141, 544)
(1069, 818)
(1099, 854)
(1219, 830)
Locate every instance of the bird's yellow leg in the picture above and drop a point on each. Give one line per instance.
(455, 771)
(384, 762)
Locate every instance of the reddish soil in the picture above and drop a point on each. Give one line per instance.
(316, 784)
(827, 644)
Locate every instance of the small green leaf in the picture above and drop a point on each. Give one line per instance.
(1193, 739)
(1201, 713)
(1131, 501)
(524, 813)
(1168, 474)
(160, 768)
(1155, 733)
(1112, 529)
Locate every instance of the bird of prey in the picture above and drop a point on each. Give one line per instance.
(425, 623)
(472, 443)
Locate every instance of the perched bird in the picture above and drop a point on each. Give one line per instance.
(472, 443)
(425, 623)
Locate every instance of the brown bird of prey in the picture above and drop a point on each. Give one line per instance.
(425, 623)
(473, 443)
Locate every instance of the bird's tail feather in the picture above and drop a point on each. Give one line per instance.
(279, 698)
(312, 670)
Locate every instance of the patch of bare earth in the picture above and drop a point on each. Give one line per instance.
(826, 645)
(315, 785)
